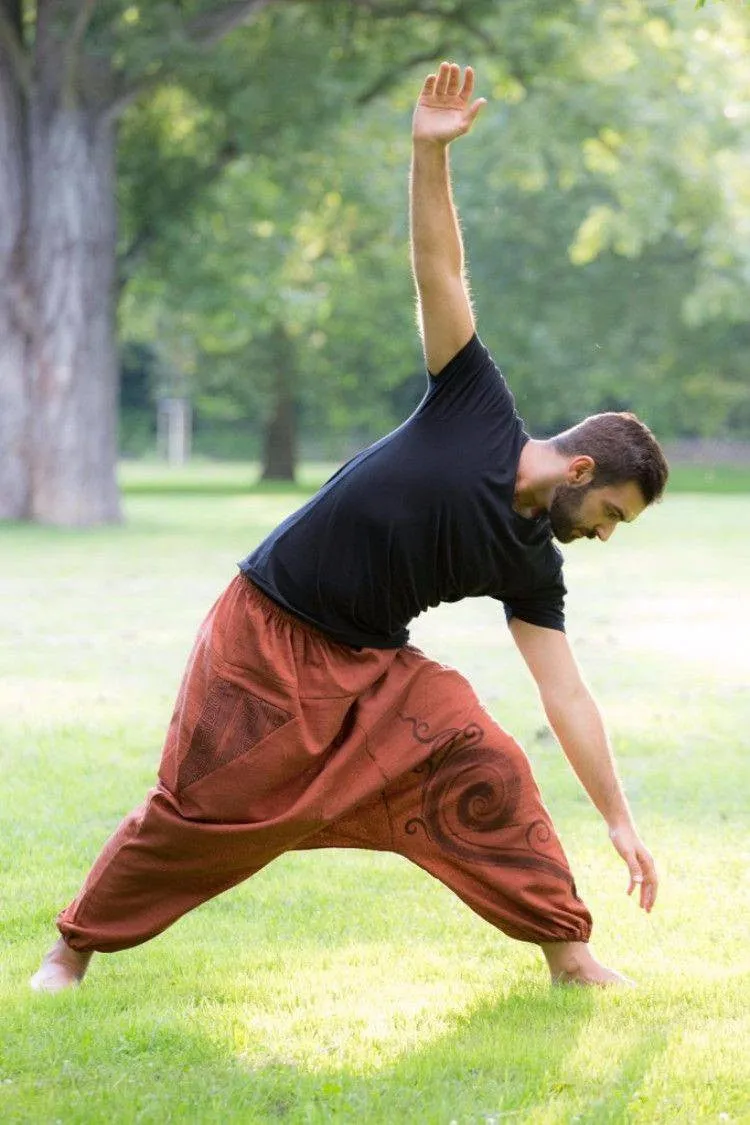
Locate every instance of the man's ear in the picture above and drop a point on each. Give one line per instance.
(581, 470)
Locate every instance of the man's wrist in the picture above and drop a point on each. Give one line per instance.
(429, 145)
(621, 822)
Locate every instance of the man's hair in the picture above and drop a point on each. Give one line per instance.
(622, 448)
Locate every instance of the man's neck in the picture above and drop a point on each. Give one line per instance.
(540, 470)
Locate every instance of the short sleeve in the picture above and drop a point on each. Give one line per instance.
(545, 606)
(471, 383)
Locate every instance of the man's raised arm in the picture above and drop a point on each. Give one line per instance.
(444, 111)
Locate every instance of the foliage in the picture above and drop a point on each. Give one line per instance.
(603, 196)
(621, 266)
(292, 237)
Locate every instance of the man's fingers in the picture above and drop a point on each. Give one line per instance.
(640, 864)
(643, 875)
(468, 87)
(454, 79)
(648, 893)
(636, 876)
(447, 83)
(650, 883)
(443, 76)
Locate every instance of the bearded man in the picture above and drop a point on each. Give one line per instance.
(307, 720)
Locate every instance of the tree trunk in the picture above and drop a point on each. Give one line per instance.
(74, 367)
(280, 440)
(15, 450)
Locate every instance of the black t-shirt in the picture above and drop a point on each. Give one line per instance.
(423, 516)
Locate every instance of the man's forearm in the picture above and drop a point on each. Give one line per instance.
(436, 244)
(579, 728)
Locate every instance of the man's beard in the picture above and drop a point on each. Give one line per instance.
(565, 510)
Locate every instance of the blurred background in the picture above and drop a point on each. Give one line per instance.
(203, 238)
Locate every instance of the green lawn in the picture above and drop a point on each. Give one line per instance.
(347, 986)
(222, 478)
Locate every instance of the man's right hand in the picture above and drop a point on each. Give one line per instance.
(445, 109)
(639, 861)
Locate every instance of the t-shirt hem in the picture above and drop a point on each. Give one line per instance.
(350, 640)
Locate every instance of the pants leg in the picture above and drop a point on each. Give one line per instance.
(471, 815)
(156, 867)
(259, 721)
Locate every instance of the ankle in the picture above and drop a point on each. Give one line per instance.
(66, 954)
(566, 958)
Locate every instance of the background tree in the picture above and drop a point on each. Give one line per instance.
(617, 272)
(295, 286)
(68, 70)
(603, 226)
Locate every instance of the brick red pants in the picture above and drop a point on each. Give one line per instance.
(282, 739)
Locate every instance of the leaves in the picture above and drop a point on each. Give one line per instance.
(604, 198)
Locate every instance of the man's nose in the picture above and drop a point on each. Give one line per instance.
(603, 533)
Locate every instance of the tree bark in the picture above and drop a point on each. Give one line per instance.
(280, 439)
(71, 254)
(74, 366)
(15, 437)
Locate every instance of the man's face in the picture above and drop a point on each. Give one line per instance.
(590, 512)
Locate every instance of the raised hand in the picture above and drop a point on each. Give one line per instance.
(445, 109)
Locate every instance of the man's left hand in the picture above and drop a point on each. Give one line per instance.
(639, 861)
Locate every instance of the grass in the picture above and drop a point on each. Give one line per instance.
(208, 478)
(347, 986)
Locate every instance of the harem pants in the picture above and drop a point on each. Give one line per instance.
(282, 739)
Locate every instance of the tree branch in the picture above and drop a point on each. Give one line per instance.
(207, 30)
(81, 24)
(130, 92)
(203, 32)
(129, 260)
(390, 76)
(387, 10)
(74, 45)
(429, 55)
(10, 38)
(488, 41)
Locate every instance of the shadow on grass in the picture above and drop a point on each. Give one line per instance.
(504, 1059)
(500, 1058)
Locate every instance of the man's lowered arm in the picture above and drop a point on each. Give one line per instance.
(577, 722)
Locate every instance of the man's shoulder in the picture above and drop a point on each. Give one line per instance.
(471, 384)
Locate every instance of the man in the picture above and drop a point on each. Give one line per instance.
(306, 720)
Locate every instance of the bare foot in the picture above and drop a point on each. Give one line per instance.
(62, 968)
(572, 962)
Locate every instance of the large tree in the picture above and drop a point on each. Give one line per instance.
(68, 70)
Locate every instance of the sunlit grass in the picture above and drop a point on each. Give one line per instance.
(349, 986)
